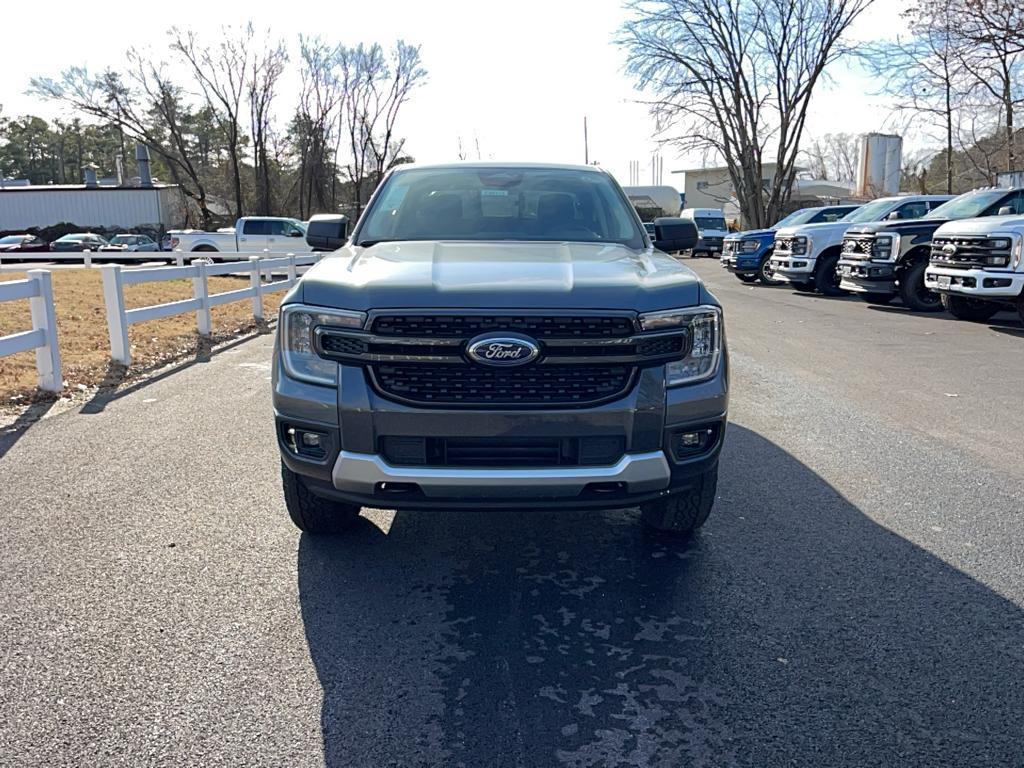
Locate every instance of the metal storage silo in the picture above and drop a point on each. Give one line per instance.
(878, 171)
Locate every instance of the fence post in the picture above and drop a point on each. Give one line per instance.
(117, 321)
(179, 258)
(44, 318)
(87, 258)
(293, 275)
(201, 291)
(256, 281)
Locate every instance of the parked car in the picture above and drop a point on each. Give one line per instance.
(15, 245)
(711, 227)
(83, 241)
(977, 266)
(251, 234)
(888, 258)
(131, 243)
(747, 254)
(455, 352)
(806, 256)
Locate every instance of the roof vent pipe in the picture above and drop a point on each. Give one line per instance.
(119, 164)
(90, 176)
(142, 160)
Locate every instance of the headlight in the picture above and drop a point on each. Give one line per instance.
(749, 246)
(999, 243)
(1018, 251)
(705, 324)
(800, 245)
(296, 333)
(885, 246)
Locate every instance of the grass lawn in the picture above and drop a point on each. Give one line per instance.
(82, 328)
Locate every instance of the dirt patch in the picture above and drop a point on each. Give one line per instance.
(82, 330)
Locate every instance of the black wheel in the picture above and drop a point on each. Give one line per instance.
(803, 287)
(876, 298)
(309, 512)
(826, 279)
(965, 308)
(697, 254)
(764, 272)
(746, 278)
(913, 294)
(684, 512)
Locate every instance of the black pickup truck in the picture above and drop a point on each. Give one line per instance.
(500, 335)
(886, 259)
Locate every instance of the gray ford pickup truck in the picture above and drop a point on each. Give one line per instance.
(500, 335)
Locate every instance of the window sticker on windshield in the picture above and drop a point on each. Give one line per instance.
(494, 193)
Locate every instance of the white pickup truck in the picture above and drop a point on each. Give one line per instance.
(977, 266)
(252, 234)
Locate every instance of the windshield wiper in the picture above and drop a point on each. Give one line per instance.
(371, 243)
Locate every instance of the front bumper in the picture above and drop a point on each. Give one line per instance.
(860, 276)
(999, 285)
(354, 420)
(792, 268)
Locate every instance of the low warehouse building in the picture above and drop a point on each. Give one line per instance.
(94, 208)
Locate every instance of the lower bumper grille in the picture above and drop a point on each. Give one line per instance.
(507, 452)
(534, 385)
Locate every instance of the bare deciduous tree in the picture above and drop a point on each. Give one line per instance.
(735, 78)
(833, 157)
(376, 87)
(220, 72)
(144, 104)
(265, 69)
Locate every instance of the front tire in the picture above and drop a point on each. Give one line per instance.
(683, 513)
(965, 308)
(803, 287)
(746, 278)
(826, 280)
(764, 272)
(913, 294)
(312, 514)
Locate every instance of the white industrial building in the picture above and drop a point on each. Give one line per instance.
(159, 207)
(119, 204)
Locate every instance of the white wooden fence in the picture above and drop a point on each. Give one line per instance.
(119, 318)
(38, 289)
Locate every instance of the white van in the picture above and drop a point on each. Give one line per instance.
(711, 228)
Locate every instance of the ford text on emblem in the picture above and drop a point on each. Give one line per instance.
(502, 350)
(949, 249)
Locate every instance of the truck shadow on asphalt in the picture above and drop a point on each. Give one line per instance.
(794, 630)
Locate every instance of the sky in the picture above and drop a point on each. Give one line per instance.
(514, 78)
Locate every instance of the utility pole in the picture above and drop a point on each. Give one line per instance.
(586, 144)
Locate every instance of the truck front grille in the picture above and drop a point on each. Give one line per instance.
(537, 326)
(533, 385)
(970, 252)
(858, 247)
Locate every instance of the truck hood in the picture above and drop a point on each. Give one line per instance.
(905, 227)
(499, 274)
(983, 226)
(752, 234)
(823, 229)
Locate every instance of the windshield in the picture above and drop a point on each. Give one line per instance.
(73, 238)
(709, 222)
(967, 206)
(797, 217)
(122, 240)
(11, 240)
(872, 211)
(472, 203)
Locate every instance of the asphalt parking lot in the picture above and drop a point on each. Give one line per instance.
(854, 600)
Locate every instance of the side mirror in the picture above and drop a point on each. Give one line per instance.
(671, 235)
(327, 231)
(1006, 210)
(294, 233)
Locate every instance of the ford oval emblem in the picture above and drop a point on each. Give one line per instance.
(949, 249)
(502, 351)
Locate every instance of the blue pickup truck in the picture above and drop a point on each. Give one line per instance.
(747, 254)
